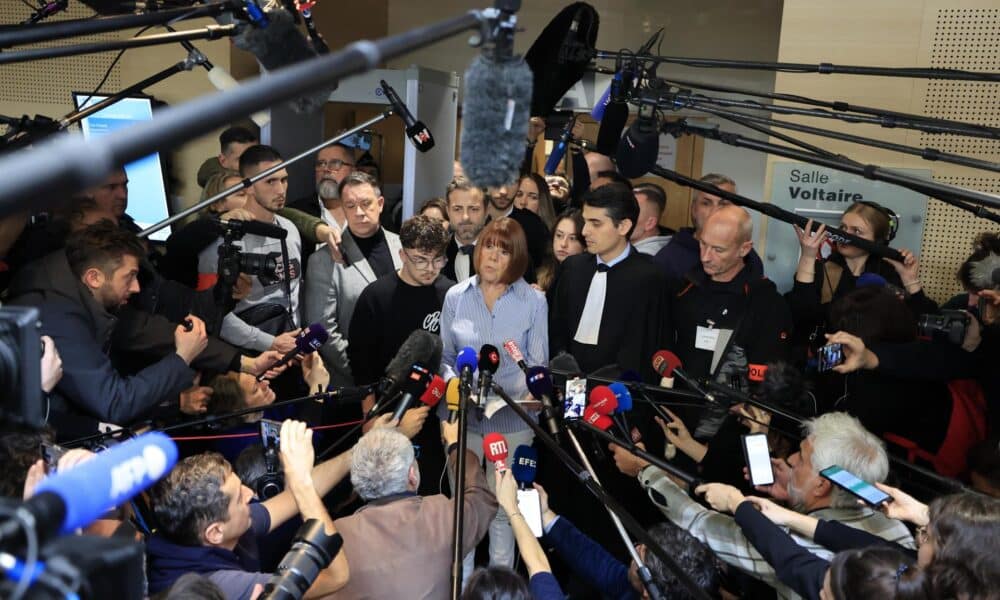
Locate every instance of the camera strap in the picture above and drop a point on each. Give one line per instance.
(287, 280)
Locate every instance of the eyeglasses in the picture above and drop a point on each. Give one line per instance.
(364, 204)
(423, 263)
(332, 165)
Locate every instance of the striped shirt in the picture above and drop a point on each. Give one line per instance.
(725, 537)
(520, 314)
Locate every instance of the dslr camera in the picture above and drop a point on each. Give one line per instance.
(947, 325)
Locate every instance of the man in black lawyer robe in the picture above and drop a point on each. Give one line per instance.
(610, 302)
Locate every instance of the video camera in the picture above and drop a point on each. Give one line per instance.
(947, 325)
(233, 260)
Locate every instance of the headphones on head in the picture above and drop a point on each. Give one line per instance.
(889, 214)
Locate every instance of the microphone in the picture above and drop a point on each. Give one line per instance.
(255, 227)
(420, 347)
(111, 478)
(413, 387)
(624, 398)
(452, 399)
(592, 417)
(539, 382)
(605, 403)
(495, 450)
(489, 361)
(415, 130)
(666, 364)
(495, 113)
(514, 352)
(308, 341)
(560, 55)
(434, 392)
(466, 364)
(615, 116)
(638, 148)
(559, 151)
(524, 466)
(274, 38)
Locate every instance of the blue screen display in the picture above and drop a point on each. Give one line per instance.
(147, 194)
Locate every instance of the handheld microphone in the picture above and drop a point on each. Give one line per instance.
(434, 392)
(604, 402)
(255, 227)
(452, 399)
(420, 347)
(514, 352)
(592, 417)
(666, 364)
(308, 341)
(466, 364)
(414, 387)
(489, 361)
(615, 116)
(495, 450)
(559, 151)
(524, 466)
(540, 386)
(495, 113)
(624, 398)
(75, 498)
(415, 130)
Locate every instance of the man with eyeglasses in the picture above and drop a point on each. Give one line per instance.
(332, 288)
(392, 308)
(333, 164)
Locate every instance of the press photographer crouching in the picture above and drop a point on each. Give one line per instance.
(208, 525)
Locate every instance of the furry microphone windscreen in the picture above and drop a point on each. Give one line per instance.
(495, 120)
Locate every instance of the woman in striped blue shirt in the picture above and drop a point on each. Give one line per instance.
(493, 307)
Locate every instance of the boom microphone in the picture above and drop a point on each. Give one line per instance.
(414, 386)
(495, 450)
(667, 364)
(308, 341)
(75, 498)
(276, 41)
(638, 148)
(495, 113)
(615, 116)
(560, 55)
(415, 130)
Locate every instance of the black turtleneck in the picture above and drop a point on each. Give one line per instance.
(376, 252)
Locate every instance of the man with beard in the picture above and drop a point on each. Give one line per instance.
(267, 318)
(467, 216)
(501, 204)
(84, 286)
(831, 439)
(333, 164)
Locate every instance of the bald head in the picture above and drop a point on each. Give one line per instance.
(725, 239)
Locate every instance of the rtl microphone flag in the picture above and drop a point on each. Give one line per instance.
(495, 450)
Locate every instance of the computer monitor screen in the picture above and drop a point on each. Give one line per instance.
(147, 192)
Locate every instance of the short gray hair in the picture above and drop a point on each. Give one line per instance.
(356, 178)
(380, 463)
(840, 439)
(717, 179)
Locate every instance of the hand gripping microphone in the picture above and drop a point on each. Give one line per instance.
(308, 341)
(495, 450)
(414, 387)
(75, 498)
(559, 151)
(489, 361)
(415, 130)
(452, 399)
(466, 364)
(667, 364)
(524, 466)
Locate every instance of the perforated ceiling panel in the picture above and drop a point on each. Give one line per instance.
(964, 38)
(51, 80)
